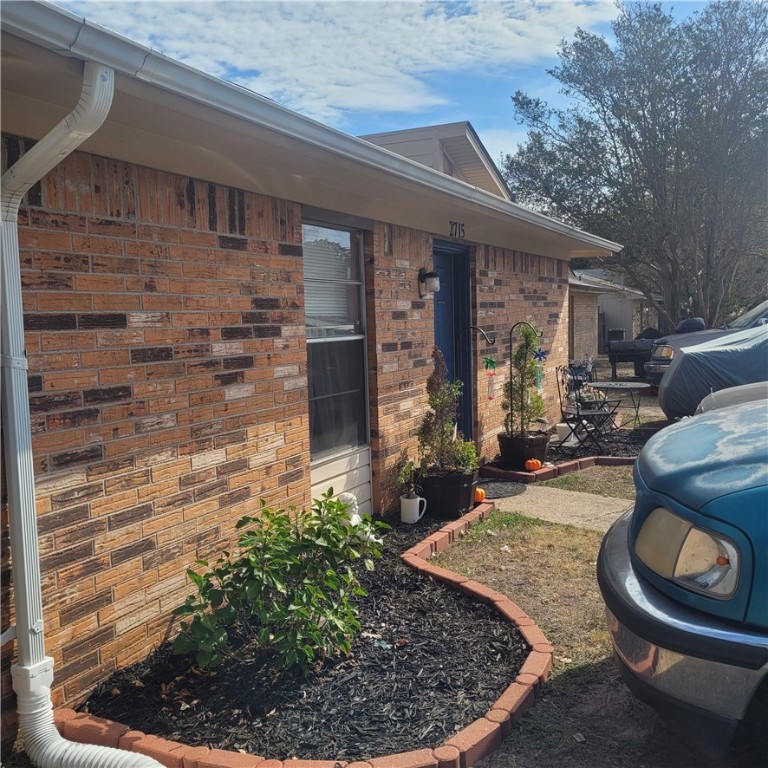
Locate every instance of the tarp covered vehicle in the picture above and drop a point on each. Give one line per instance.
(687, 333)
(699, 370)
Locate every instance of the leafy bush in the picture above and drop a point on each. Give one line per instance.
(442, 448)
(522, 404)
(289, 586)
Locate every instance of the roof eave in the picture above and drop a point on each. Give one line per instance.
(66, 34)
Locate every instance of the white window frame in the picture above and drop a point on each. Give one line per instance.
(357, 239)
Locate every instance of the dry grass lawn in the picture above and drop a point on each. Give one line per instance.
(586, 717)
(602, 481)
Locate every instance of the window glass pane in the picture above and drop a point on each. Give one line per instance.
(336, 396)
(336, 367)
(331, 282)
(333, 428)
(332, 309)
(330, 254)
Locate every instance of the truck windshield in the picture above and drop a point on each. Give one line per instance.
(751, 318)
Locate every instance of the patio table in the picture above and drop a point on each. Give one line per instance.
(633, 388)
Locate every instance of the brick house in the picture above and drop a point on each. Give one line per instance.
(618, 308)
(583, 316)
(222, 303)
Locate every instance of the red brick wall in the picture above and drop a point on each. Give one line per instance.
(400, 340)
(167, 353)
(584, 330)
(513, 286)
(507, 286)
(167, 372)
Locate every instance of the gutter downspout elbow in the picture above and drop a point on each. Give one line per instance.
(33, 673)
(82, 122)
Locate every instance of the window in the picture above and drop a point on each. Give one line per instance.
(333, 288)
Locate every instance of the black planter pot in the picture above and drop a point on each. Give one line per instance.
(515, 449)
(449, 496)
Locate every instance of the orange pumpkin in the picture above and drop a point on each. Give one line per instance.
(531, 465)
(479, 495)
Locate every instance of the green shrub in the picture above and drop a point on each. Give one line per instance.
(522, 404)
(289, 586)
(442, 448)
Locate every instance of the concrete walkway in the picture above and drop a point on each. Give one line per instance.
(585, 510)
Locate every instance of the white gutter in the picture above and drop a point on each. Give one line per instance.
(60, 31)
(606, 286)
(33, 672)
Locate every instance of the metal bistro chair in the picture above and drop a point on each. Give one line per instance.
(587, 422)
(583, 371)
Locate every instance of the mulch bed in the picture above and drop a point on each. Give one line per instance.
(501, 489)
(428, 662)
(620, 442)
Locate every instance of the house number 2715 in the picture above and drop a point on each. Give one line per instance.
(456, 229)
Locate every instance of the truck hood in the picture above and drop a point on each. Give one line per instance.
(708, 456)
(678, 340)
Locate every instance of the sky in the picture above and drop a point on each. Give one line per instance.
(367, 66)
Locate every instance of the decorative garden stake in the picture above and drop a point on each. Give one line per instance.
(490, 370)
(540, 356)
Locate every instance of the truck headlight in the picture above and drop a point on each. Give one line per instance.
(699, 560)
(664, 352)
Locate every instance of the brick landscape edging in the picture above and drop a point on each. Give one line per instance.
(555, 470)
(462, 750)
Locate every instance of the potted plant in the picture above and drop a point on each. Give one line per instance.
(589, 397)
(448, 463)
(412, 506)
(522, 404)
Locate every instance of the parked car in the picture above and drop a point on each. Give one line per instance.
(699, 370)
(684, 574)
(665, 348)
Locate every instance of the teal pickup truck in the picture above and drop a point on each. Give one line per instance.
(684, 573)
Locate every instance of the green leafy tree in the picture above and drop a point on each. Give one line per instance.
(665, 150)
(522, 404)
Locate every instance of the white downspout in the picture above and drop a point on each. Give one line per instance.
(33, 674)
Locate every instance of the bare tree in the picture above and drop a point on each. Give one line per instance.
(664, 149)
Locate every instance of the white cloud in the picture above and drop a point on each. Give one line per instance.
(325, 59)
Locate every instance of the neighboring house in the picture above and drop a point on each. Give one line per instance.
(453, 149)
(621, 310)
(583, 317)
(222, 304)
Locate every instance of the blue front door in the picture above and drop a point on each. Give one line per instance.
(445, 311)
(452, 320)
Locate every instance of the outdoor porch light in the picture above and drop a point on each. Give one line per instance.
(429, 282)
